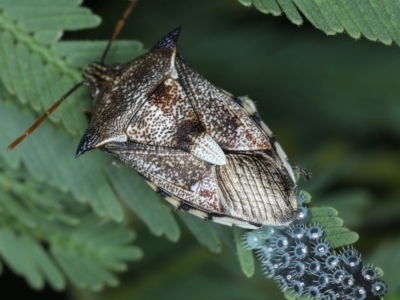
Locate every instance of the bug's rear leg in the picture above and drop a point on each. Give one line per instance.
(303, 172)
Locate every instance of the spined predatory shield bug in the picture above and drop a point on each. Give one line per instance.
(203, 149)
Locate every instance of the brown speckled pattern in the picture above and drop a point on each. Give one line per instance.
(205, 149)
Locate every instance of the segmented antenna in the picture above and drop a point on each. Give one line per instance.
(117, 30)
(43, 117)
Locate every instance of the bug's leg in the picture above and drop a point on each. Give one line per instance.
(87, 110)
(303, 172)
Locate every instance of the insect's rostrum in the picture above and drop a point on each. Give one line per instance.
(206, 149)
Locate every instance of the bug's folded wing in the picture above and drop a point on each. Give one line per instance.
(177, 172)
(252, 188)
(168, 119)
(227, 123)
(248, 188)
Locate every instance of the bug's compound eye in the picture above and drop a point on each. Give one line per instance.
(94, 92)
(115, 66)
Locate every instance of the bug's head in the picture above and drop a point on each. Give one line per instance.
(120, 90)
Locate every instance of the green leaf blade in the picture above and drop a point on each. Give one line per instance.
(291, 11)
(142, 200)
(375, 19)
(204, 233)
(272, 7)
(244, 254)
(46, 265)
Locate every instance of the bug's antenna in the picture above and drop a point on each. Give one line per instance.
(118, 27)
(43, 117)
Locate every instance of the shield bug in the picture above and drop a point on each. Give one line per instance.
(203, 149)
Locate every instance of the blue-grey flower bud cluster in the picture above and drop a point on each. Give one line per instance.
(299, 258)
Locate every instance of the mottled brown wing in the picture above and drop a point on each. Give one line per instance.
(253, 188)
(226, 122)
(176, 172)
(167, 119)
(248, 188)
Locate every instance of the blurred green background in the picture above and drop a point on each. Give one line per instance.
(333, 104)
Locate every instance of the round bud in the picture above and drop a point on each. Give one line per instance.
(314, 267)
(269, 231)
(298, 287)
(379, 288)
(353, 264)
(284, 279)
(268, 251)
(285, 260)
(348, 281)
(368, 274)
(314, 292)
(329, 295)
(321, 249)
(331, 262)
(323, 280)
(298, 233)
(359, 292)
(341, 293)
(303, 215)
(338, 275)
(282, 243)
(269, 269)
(349, 252)
(314, 233)
(300, 200)
(255, 239)
(300, 251)
(299, 269)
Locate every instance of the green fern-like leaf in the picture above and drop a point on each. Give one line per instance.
(203, 232)
(83, 247)
(335, 234)
(36, 70)
(376, 20)
(244, 254)
(34, 74)
(43, 200)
